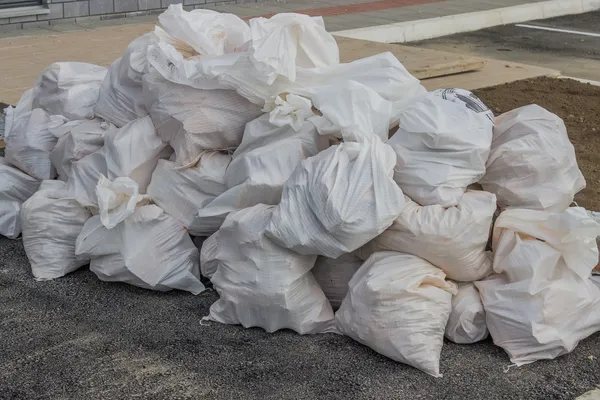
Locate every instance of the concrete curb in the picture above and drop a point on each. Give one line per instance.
(412, 31)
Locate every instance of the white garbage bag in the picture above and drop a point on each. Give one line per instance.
(120, 100)
(398, 305)
(532, 164)
(51, 221)
(338, 200)
(69, 89)
(208, 256)
(467, 99)
(95, 240)
(333, 275)
(195, 47)
(442, 148)
(193, 121)
(15, 188)
(542, 302)
(466, 324)
(29, 141)
(263, 285)
(182, 192)
(76, 139)
(453, 239)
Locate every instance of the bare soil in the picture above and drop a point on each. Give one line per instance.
(578, 104)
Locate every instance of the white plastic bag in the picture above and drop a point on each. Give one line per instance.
(95, 240)
(442, 148)
(182, 192)
(15, 188)
(263, 285)
(466, 323)
(69, 89)
(467, 99)
(208, 256)
(453, 239)
(532, 164)
(116, 199)
(338, 200)
(76, 139)
(541, 302)
(51, 222)
(333, 275)
(85, 174)
(29, 141)
(120, 99)
(193, 121)
(398, 305)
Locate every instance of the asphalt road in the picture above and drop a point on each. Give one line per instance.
(573, 54)
(78, 337)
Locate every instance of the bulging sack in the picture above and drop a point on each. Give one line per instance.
(182, 192)
(15, 188)
(338, 200)
(51, 222)
(76, 139)
(120, 99)
(69, 89)
(532, 163)
(442, 148)
(541, 302)
(453, 239)
(398, 305)
(193, 121)
(466, 324)
(333, 275)
(263, 285)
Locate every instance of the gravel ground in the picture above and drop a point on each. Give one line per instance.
(77, 337)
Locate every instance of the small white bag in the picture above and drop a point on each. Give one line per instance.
(541, 302)
(51, 222)
(466, 324)
(263, 285)
(333, 275)
(453, 239)
(15, 188)
(532, 164)
(398, 305)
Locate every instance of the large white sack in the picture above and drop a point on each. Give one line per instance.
(95, 240)
(442, 148)
(69, 89)
(192, 121)
(453, 239)
(29, 141)
(338, 200)
(541, 302)
(84, 177)
(532, 164)
(15, 188)
(120, 99)
(51, 221)
(466, 323)
(398, 305)
(263, 285)
(76, 139)
(182, 192)
(195, 47)
(333, 275)
(208, 256)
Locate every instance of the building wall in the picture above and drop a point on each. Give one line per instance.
(69, 11)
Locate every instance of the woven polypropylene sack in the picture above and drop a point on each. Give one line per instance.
(15, 188)
(466, 323)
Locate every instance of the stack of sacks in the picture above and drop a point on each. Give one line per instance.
(262, 284)
(135, 242)
(398, 305)
(532, 164)
(541, 302)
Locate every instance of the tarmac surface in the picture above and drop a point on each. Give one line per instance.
(574, 54)
(78, 337)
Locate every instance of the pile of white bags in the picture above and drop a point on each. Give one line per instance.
(398, 305)
(246, 153)
(263, 285)
(532, 164)
(542, 301)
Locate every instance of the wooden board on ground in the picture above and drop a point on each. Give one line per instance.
(422, 63)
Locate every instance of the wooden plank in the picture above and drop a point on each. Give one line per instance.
(422, 63)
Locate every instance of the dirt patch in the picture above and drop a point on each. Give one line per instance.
(577, 104)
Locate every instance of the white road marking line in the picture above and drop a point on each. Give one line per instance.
(547, 28)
